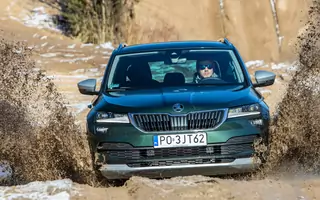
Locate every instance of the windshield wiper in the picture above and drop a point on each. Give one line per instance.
(119, 89)
(214, 84)
(240, 87)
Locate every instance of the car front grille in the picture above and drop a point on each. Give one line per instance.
(166, 122)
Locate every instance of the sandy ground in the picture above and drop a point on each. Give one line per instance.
(193, 187)
(69, 61)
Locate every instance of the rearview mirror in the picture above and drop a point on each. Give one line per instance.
(264, 78)
(88, 87)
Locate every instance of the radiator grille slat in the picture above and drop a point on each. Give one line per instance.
(165, 122)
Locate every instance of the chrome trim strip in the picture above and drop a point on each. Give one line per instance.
(240, 164)
(225, 117)
(244, 115)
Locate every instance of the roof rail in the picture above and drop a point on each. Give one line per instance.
(225, 41)
(122, 45)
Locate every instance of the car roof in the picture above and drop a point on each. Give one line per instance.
(197, 44)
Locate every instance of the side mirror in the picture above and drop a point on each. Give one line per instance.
(88, 87)
(264, 78)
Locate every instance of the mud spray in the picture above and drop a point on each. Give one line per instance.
(295, 132)
(40, 139)
(38, 135)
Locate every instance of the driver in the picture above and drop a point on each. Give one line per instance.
(205, 69)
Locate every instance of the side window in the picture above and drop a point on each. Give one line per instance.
(158, 70)
(191, 69)
(236, 69)
(232, 71)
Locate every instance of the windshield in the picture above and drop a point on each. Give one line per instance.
(175, 68)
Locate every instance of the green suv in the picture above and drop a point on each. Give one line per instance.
(176, 109)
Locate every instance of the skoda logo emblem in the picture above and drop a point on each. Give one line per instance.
(177, 107)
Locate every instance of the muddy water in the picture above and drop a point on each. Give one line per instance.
(39, 137)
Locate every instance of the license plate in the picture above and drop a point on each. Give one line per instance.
(180, 140)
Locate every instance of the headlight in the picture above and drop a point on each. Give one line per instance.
(247, 110)
(110, 117)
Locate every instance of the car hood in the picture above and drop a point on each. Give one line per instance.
(192, 98)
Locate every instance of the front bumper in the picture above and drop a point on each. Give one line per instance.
(123, 171)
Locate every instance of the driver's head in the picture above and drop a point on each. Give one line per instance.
(205, 67)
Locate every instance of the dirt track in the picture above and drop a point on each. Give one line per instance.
(198, 188)
(56, 54)
(300, 188)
